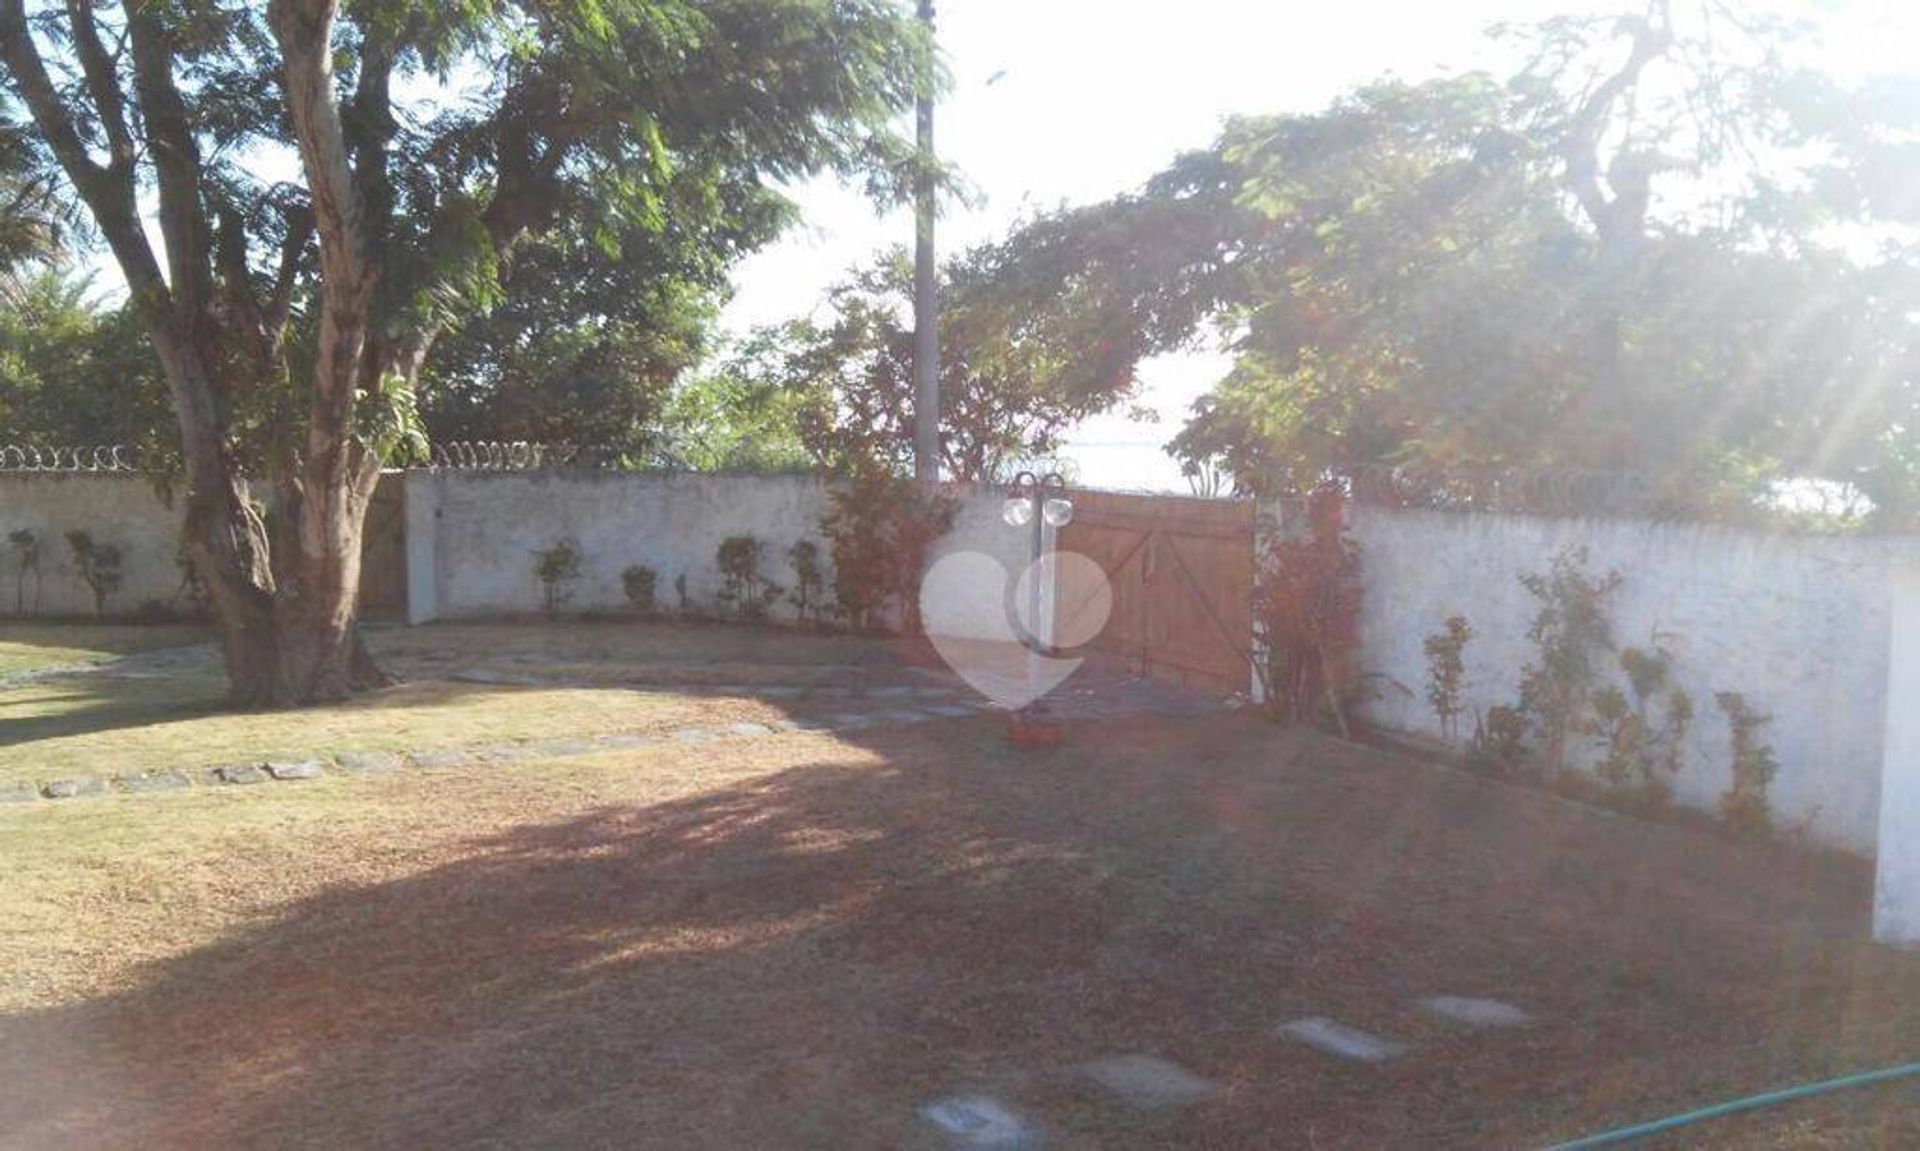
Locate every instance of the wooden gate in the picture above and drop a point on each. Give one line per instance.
(383, 552)
(1181, 573)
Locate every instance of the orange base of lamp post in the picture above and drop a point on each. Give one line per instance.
(1034, 730)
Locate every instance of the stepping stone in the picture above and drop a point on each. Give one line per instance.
(293, 769)
(368, 762)
(75, 787)
(1476, 1012)
(157, 782)
(509, 753)
(627, 741)
(854, 720)
(1336, 1038)
(904, 716)
(781, 691)
(17, 793)
(747, 729)
(693, 735)
(1148, 1081)
(245, 773)
(443, 758)
(931, 692)
(896, 692)
(982, 1123)
(560, 748)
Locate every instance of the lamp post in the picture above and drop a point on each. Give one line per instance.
(1040, 502)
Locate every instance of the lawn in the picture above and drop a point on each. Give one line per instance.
(797, 940)
(566, 681)
(35, 646)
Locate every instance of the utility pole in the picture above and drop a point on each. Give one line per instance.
(926, 300)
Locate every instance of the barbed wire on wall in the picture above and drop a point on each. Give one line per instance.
(69, 458)
(505, 455)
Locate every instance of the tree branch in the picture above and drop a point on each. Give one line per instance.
(176, 159)
(108, 194)
(103, 84)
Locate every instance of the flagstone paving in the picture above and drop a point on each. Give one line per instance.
(1344, 1042)
(982, 1123)
(1475, 1012)
(1147, 1081)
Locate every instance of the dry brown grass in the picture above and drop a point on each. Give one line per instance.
(793, 941)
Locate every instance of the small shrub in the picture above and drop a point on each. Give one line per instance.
(880, 528)
(809, 580)
(1499, 744)
(682, 599)
(1744, 805)
(191, 599)
(26, 561)
(1571, 631)
(1306, 611)
(638, 582)
(98, 566)
(1447, 673)
(558, 568)
(1644, 733)
(742, 585)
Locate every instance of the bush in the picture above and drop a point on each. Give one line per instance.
(98, 566)
(1571, 631)
(809, 580)
(1306, 613)
(558, 568)
(1447, 673)
(880, 528)
(742, 586)
(26, 561)
(1744, 805)
(638, 582)
(1645, 733)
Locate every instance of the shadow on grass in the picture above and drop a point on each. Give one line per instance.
(799, 960)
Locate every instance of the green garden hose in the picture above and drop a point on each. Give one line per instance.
(1734, 1107)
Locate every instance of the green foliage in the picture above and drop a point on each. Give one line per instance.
(73, 373)
(1306, 615)
(880, 528)
(97, 565)
(1447, 672)
(809, 580)
(26, 561)
(1499, 744)
(741, 416)
(558, 567)
(1037, 332)
(386, 422)
(1744, 806)
(1571, 631)
(1644, 728)
(638, 580)
(743, 587)
(569, 180)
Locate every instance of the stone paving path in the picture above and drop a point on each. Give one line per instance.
(1144, 1082)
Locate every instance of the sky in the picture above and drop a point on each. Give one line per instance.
(1059, 102)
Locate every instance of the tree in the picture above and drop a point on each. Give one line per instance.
(1037, 332)
(33, 217)
(72, 374)
(293, 319)
(1611, 262)
(596, 326)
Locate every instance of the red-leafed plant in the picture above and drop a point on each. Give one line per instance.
(1307, 616)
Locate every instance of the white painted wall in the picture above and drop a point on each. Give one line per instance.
(472, 535)
(1799, 624)
(1896, 903)
(122, 510)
